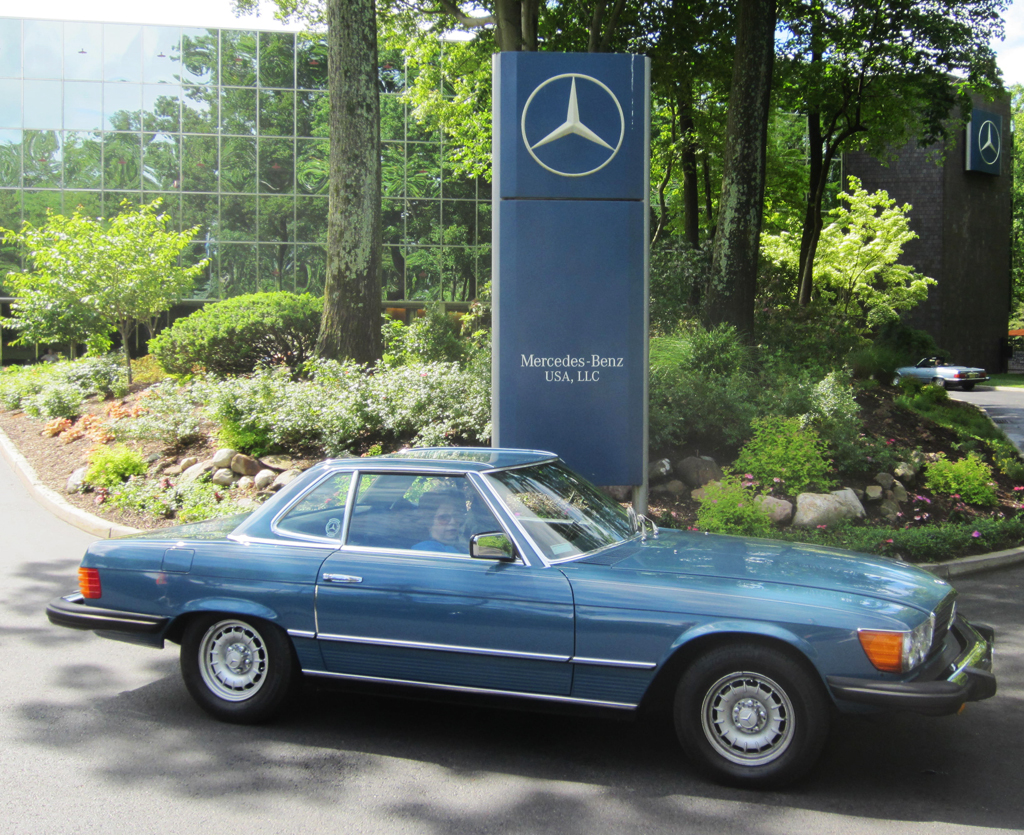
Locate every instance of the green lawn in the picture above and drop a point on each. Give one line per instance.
(1014, 380)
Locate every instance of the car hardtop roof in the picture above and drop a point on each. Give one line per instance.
(456, 458)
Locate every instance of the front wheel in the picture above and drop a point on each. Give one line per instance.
(238, 670)
(751, 715)
(938, 381)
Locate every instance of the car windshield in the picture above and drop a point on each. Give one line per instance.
(563, 513)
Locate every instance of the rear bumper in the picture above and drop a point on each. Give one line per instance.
(968, 678)
(72, 612)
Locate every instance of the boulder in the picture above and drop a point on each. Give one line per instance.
(193, 473)
(245, 482)
(906, 473)
(676, 487)
(873, 493)
(698, 494)
(285, 478)
(280, 463)
(264, 478)
(187, 461)
(697, 472)
(815, 509)
(780, 510)
(223, 477)
(76, 481)
(245, 464)
(659, 469)
(899, 492)
(890, 510)
(885, 479)
(222, 458)
(174, 469)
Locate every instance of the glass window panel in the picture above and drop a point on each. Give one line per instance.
(393, 274)
(311, 65)
(200, 210)
(36, 203)
(199, 108)
(391, 71)
(459, 272)
(83, 160)
(392, 220)
(161, 54)
(458, 187)
(483, 221)
(416, 132)
(161, 107)
(82, 103)
(423, 170)
(170, 205)
(238, 58)
(238, 164)
(238, 108)
(458, 219)
(312, 165)
(277, 59)
(10, 102)
(10, 218)
(276, 165)
(205, 285)
(392, 118)
(199, 51)
(311, 114)
(10, 48)
(422, 222)
(277, 267)
(43, 160)
(311, 219)
(238, 218)
(393, 169)
(83, 51)
(43, 50)
(122, 52)
(423, 273)
(276, 219)
(310, 269)
(237, 269)
(122, 161)
(199, 163)
(10, 161)
(122, 107)
(277, 112)
(161, 155)
(42, 108)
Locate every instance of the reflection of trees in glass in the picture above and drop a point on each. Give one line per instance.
(10, 159)
(199, 163)
(199, 56)
(42, 159)
(160, 162)
(238, 58)
(277, 59)
(122, 161)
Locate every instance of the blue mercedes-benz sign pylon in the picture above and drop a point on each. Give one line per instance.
(570, 260)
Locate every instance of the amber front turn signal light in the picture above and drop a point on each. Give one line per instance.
(89, 582)
(884, 649)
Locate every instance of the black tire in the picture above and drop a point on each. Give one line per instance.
(967, 386)
(897, 379)
(238, 669)
(938, 381)
(751, 716)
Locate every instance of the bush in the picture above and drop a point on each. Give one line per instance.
(906, 344)
(146, 371)
(193, 502)
(103, 376)
(970, 478)
(782, 449)
(729, 506)
(676, 272)
(110, 466)
(237, 335)
(167, 413)
(434, 337)
(57, 400)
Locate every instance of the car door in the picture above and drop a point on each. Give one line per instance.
(398, 603)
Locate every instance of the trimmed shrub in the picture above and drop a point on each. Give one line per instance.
(729, 506)
(237, 335)
(970, 478)
(435, 337)
(782, 449)
(110, 466)
(58, 400)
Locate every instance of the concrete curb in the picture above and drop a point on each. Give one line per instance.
(96, 526)
(53, 501)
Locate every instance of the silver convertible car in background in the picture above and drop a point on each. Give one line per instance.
(937, 371)
(501, 572)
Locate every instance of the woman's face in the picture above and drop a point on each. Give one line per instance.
(447, 523)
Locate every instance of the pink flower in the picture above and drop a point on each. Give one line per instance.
(822, 527)
(889, 541)
(1017, 489)
(976, 534)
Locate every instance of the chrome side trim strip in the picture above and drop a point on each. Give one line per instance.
(301, 633)
(289, 542)
(609, 662)
(502, 653)
(484, 691)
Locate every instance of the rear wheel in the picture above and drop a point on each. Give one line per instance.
(897, 379)
(751, 715)
(967, 386)
(237, 669)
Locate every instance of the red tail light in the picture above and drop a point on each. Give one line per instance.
(89, 582)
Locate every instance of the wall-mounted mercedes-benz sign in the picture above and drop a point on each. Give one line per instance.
(575, 130)
(984, 146)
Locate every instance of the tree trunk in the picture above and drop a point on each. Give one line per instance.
(508, 28)
(688, 134)
(734, 255)
(352, 318)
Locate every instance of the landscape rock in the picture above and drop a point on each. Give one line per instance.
(780, 510)
(187, 461)
(899, 492)
(697, 472)
(885, 479)
(659, 469)
(676, 487)
(76, 481)
(245, 464)
(223, 477)
(815, 509)
(619, 492)
(285, 478)
(280, 463)
(193, 473)
(264, 478)
(222, 458)
(698, 494)
(873, 493)
(174, 469)
(906, 473)
(890, 510)
(245, 482)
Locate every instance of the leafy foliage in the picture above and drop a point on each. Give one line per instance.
(237, 335)
(782, 448)
(969, 477)
(110, 466)
(434, 337)
(730, 506)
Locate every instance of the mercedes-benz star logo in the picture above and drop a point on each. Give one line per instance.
(988, 142)
(573, 125)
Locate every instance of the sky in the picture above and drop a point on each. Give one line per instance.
(217, 13)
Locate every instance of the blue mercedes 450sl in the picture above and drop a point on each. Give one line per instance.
(502, 572)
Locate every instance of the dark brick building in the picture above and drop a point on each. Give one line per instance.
(963, 220)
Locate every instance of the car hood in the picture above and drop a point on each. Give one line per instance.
(770, 561)
(211, 529)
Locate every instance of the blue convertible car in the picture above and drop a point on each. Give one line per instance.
(502, 572)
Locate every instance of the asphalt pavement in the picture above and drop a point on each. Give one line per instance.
(1004, 405)
(101, 737)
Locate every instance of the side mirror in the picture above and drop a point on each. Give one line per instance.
(492, 546)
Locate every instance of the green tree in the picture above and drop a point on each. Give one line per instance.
(1017, 242)
(860, 281)
(91, 277)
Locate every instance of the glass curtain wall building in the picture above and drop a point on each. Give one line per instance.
(228, 128)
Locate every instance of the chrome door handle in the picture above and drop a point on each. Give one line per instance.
(341, 578)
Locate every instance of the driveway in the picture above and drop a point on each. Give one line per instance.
(1004, 405)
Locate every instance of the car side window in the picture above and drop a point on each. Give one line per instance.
(435, 514)
(321, 511)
